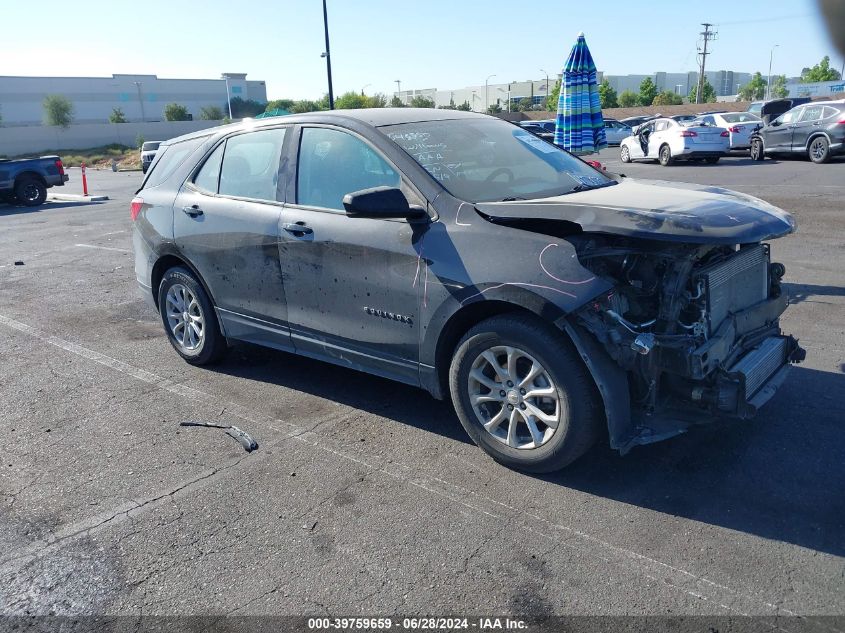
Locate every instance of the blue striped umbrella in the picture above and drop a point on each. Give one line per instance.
(579, 126)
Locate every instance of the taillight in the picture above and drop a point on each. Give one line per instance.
(842, 122)
(688, 133)
(725, 133)
(735, 129)
(135, 207)
(60, 167)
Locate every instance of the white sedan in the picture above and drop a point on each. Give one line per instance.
(739, 125)
(666, 140)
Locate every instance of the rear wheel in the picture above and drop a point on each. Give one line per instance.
(30, 192)
(523, 394)
(625, 154)
(188, 318)
(665, 156)
(819, 150)
(757, 152)
(712, 160)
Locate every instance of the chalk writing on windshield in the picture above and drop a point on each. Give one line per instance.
(432, 155)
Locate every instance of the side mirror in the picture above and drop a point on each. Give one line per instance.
(775, 123)
(380, 202)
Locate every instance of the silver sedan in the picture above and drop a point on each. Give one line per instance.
(616, 131)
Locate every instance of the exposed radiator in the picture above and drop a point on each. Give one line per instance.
(735, 284)
(759, 364)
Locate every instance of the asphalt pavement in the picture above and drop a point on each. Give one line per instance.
(366, 496)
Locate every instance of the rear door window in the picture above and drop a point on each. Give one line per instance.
(812, 113)
(208, 177)
(250, 166)
(169, 158)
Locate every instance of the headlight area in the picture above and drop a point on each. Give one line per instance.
(694, 326)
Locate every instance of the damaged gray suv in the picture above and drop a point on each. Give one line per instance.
(461, 254)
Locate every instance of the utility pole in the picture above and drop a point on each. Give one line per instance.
(328, 57)
(769, 79)
(706, 35)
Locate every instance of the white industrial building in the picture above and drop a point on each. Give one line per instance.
(140, 97)
(481, 96)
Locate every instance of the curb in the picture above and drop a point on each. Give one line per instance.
(73, 197)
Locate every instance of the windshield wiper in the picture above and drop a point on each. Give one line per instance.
(583, 187)
(512, 199)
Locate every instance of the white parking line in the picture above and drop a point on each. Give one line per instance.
(105, 248)
(680, 579)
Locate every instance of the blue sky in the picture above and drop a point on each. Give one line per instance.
(426, 44)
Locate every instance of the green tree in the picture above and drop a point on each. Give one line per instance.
(779, 89)
(451, 105)
(58, 110)
(465, 107)
(211, 113)
(553, 98)
(280, 104)
(525, 104)
(709, 93)
(242, 108)
(667, 97)
(117, 116)
(494, 108)
(648, 91)
(607, 95)
(350, 101)
(820, 72)
(139, 140)
(304, 105)
(377, 100)
(628, 99)
(754, 89)
(175, 112)
(422, 102)
(396, 102)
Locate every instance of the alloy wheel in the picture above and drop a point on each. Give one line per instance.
(31, 193)
(184, 317)
(817, 149)
(514, 397)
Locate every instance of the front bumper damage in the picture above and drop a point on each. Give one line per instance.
(730, 376)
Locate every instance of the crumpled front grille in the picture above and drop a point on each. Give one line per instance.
(735, 284)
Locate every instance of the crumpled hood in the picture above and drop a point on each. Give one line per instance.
(656, 209)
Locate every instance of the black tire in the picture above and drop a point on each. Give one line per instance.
(819, 150)
(665, 156)
(625, 154)
(211, 344)
(577, 398)
(757, 152)
(711, 160)
(30, 192)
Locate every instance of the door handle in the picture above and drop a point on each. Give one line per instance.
(297, 227)
(192, 211)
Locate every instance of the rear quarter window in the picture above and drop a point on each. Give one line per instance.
(168, 159)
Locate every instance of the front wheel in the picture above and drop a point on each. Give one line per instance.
(819, 150)
(665, 156)
(757, 152)
(523, 394)
(188, 318)
(625, 154)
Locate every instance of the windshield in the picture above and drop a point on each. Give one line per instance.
(150, 146)
(485, 160)
(740, 117)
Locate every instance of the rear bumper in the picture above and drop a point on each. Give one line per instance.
(704, 153)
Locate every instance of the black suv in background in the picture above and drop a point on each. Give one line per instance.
(816, 128)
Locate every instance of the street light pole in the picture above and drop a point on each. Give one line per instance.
(547, 84)
(327, 55)
(486, 97)
(769, 82)
(141, 100)
(228, 98)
